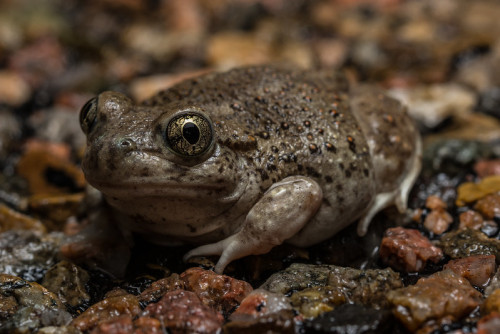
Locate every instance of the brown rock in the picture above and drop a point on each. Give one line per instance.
(105, 310)
(463, 243)
(260, 302)
(492, 303)
(158, 288)
(407, 250)
(489, 206)
(443, 295)
(120, 325)
(438, 221)
(13, 220)
(183, 312)
(279, 322)
(68, 282)
(55, 210)
(477, 269)
(485, 168)
(470, 192)
(489, 324)
(221, 292)
(435, 203)
(16, 90)
(470, 219)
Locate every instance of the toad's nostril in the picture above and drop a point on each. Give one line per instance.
(126, 144)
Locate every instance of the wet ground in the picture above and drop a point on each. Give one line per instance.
(432, 270)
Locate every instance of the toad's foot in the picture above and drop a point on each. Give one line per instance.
(283, 210)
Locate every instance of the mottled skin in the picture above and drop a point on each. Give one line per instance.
(296, 157)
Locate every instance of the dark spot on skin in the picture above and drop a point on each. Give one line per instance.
(285, 126)
(339, 187)
(300, 168)
(263, 174)
(313, 148)
(334, 112)
(264, 135)
(321, 131)
(328, 179)
(236, 106)
(270, 158)
(261, 99)
(341, 165)
(329, 147)
(326, 201)
(300, 129)
(310, 136)
(221, 169)
(191, 228)
(274, 149)
(366, 172)
(352, 144)
(307, 98)
(312, 172)
(271, 167)
(305, 109)
(348, 173)
(307, 124)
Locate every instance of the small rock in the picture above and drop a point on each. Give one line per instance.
(125, 325)
(351, 318)
(464, 243)
(105, 310)
(183, 312)
(486, 168)
(408, 250)
(260, 302)
(435, 203)
(432, 104)
(55, 210)
(314, 301)
(492, 303)
(438, 221)
(28, 306)
(68, 282)
(158, 288)
(222, 293)
(277, 322)
(489, 206)
(16, 90)
(470, 192)
(477, 269)
(489, 324)
(27, 254)
(470, 219)
(11, 220)
(59, 330)
(443, 295)
(47, 172)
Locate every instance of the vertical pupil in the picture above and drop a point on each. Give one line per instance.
(190, 132)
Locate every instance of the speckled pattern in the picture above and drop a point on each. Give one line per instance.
(288, 146)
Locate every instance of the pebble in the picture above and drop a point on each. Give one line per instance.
(489, 206)
(278, 322)
(55, 210)
(489, 324)
(464, 243)
(352, 318)
(407, 250)
(28, 254)
(157, 289)
(107, 309)
(477, 269)
(441, 296)
(438, 221)
(315, 301)
(433, 104)
(183, 312)
(11, 220)
(470, 219)
(220, 292)
(492, 302)
(68, 282)
(484, 168)
(28, 306)
(125, 325)
(470, 192)
(15, 90)
(259, 303)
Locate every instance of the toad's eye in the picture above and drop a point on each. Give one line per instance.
(88, 115)
(189, 134)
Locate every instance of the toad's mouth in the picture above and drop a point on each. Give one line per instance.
(178, 190)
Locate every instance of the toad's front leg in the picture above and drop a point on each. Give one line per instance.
(283, 210)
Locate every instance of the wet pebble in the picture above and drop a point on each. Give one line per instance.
(492, 302)
(489, 206)
(315, 301)
(222, 293)
(27, 306)
(470, 219)
(55, 210)
(276, 322)
(464, 243)
(260, 302)
(27, 254)
(68, 282)
(477, 269)
(11, 220)
(183, 312)
(438, 220)
(351, 318)
(441, 296)
(408, 250)
(469, 192)
(484, 168)
(106, 309)
(158, 288)
(489, 324)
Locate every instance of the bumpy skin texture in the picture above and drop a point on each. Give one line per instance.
(296, 157)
